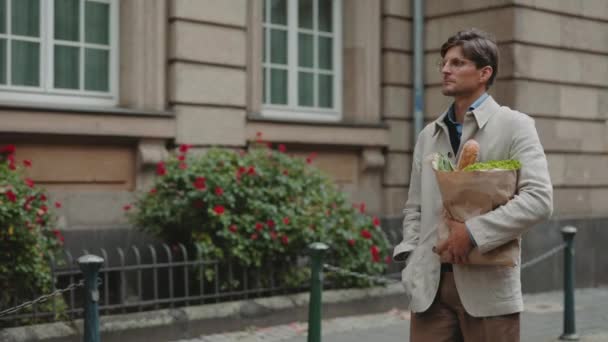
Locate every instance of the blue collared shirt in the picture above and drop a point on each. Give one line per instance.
(473, 106)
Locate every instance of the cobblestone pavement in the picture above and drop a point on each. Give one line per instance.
(542, 321)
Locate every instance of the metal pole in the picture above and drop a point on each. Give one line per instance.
(569, 334)
(418, 66)
(90, 265)
(317, 250)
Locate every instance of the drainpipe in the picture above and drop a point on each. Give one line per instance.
(418, 67)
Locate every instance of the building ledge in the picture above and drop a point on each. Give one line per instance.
(318, 133)
(87, 121)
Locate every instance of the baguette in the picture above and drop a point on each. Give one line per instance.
(469, 154)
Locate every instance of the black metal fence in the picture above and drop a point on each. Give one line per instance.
(156, 277)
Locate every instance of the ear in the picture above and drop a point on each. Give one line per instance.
(485, 74)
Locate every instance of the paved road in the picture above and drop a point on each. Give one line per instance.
(542, 321)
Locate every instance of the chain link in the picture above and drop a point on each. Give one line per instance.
(386, 280)
(543, 256)
(41, 299)
(376, 279)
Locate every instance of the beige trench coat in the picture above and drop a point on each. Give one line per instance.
(502, 133)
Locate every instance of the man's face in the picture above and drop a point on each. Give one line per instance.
(460, 75)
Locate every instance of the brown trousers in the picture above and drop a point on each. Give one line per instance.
(447, 321)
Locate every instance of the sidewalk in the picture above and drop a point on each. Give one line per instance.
(542, 321)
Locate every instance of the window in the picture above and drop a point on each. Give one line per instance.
(302, 59)
(58, 51)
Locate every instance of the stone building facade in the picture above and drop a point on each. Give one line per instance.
(334, 77)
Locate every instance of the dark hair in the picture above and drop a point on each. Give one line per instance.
(478, 46)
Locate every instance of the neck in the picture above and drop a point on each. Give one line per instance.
(462, 104)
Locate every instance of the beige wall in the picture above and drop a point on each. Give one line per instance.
(553, 67)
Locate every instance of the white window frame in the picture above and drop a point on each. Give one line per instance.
(292, 111)
(46, 93)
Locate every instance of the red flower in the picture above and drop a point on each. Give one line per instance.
(183, 166)
(10, 149)
(273, 235)
(219, 191)
(183, 148)
(388, 259)
(161, 170)
(27, 206)
(366, 234)
(254, 236)
(42, 198)
(269, 144)
(375, 253)
(233, 228)
(259, 226)
(311, 157)
(181, 157)
(251, 170)
(199, 183)
(376, 221)
(285, 172)
(40, 220)
(282, 148)
(29, 182)
(127, 207)
(12, 166)
(58, 235)
(10, 195)
(351, 242)
(198, 204)
(284, 240)
(27, 163)
(286, 220)
(219, 209)
(270, 224)
(152, 191)
(362, 208)
(57, 205)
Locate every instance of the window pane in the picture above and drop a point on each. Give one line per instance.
(325, 15)
(25, 59)
(278, 12)
(66, 67)
(2, 61)
(305, 14)
(306, 89)
(67, 13)
(278, 86)
(2, 16)
(26, 18)
(305, 50)
(325, 53)
(97, 23)
(264, 45)
(96, 70)
(278, 49)
(326, 91)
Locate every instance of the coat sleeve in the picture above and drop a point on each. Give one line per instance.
(533, 201)
(411, 221)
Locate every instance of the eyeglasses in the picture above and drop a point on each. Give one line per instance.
(453, 64)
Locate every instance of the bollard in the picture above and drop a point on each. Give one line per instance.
(90, 265)
(317, 250)
(569, 334)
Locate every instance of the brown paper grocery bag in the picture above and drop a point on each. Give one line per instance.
(467, 194)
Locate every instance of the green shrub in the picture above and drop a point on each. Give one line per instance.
(27, 235)
(257, 207)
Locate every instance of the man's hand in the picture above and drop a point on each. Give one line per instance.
(458, 245)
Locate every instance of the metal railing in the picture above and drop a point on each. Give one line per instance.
(155, 277)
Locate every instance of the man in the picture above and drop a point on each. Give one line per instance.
(454, 301)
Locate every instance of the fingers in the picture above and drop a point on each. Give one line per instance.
(441, 247)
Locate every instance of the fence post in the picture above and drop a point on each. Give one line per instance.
(569, 334)
(90, 265)
(317, 250)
